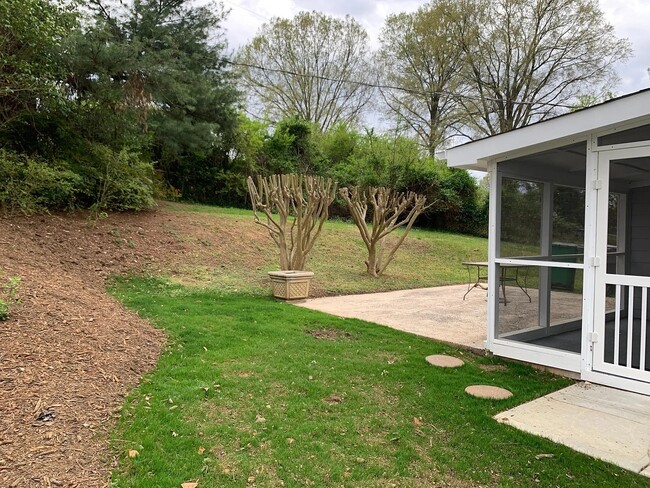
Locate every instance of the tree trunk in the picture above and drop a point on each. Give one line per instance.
(374, 260)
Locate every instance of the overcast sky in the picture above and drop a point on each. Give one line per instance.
(629, 17)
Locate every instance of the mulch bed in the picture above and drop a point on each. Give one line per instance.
(69, 352)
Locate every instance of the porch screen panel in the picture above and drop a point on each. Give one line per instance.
(640, 230)
(566, 303)
(531, 316)
(635, 134)
(568, 234)
(519, 310)
(521, 218)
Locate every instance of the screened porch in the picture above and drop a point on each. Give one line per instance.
(542, 201)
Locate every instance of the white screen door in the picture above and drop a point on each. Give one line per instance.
(621, 343)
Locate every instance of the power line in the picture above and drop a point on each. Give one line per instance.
(246, 9)
(381, 86)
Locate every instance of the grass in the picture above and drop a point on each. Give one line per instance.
(254, 392)
(426, 258)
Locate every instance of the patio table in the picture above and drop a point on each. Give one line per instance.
(482, 279)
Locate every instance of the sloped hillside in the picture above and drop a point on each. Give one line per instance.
(69, 353)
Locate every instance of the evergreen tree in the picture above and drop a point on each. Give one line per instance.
(166, 64)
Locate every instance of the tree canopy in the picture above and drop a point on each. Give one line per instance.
(482, 67)
(313, 66)
(31, 38)
(527, 60)
(418, 57)
(168, 60)
(106, 103)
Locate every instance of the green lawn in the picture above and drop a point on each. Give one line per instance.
(426, 258)
(255, 392)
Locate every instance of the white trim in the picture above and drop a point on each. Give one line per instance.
(627, 145)
(588, 277)
(616, 382)
(629, 110)
(530, 353)
(639, 151)
(621, 234)
(494, 239)
(599, 291)
(539, 263)
(627, 280)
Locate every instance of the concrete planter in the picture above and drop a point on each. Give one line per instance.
(290, 285)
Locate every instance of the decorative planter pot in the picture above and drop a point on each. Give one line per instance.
(290, 285)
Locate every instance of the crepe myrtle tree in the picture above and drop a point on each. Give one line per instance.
(295, 207)
(390, 210)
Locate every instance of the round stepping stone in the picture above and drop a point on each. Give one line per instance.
(443, 361)
(489, 392)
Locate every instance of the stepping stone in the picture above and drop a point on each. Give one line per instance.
(443, 361)
(489, 392)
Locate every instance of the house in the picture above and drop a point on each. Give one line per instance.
(570, 219)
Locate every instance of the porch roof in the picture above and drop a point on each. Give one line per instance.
(559, 131)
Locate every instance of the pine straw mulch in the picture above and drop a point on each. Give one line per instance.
(69, 352)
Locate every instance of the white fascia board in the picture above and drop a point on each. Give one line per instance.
(551, 133)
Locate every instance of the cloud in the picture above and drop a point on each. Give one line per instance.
(355, 8)
(630, 20)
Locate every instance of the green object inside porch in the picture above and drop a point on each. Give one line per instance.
(563, 278)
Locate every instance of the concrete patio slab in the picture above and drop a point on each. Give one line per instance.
(602, 422)
(438, 313)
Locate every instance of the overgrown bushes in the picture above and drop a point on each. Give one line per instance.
(31, 185)
(349, 157)
(104, 180)
(117, 180)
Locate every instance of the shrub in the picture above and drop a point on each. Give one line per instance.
(116, 180)
(32, 185)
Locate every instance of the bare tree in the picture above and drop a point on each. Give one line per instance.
(528, 60)
(296, 207)
(390, 210)
(313, 66)
(417, 58)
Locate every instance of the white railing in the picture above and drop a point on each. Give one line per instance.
(630, 323)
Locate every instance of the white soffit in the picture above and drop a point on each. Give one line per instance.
(562, 130)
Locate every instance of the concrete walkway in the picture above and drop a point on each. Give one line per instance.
(602, 422)
(438, 313)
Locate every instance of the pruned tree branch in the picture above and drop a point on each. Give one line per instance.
(296, 208)
(390, 210)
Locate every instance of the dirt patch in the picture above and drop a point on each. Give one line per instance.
(333, 400)
(329, 334)
(493, 367)
(70, 353)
